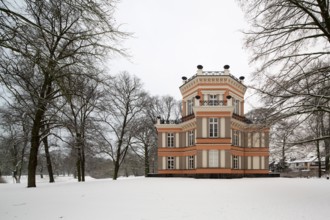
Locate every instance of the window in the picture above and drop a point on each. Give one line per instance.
(170, 163)
(221, 100)
(191, 138)
(190, 107)
(212, 100)
(191, 162)
(236, 106)
(235, 138)
(235, 162)
(213, 158)
(170, 140)
(256, 139)
(249, 139)
(213, 125)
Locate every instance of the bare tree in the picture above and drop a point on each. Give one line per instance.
(80, 104)
(145, 136)
(165, 107)
(283, 41)
(289, 41)
(56, 41)
(14, 139)
(282, 136)
(145, 143)
(122, 106)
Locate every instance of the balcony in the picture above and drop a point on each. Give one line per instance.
(213, 103)
(191, 116)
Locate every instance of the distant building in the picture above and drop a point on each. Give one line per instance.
(213, 138)
(308, 163)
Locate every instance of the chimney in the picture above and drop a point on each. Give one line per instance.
(199, 70)
(226, 70)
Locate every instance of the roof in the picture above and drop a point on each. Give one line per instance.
(307, 160)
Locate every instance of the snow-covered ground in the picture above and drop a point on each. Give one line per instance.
(168, 198)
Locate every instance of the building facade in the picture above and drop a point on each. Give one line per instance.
(213, 138)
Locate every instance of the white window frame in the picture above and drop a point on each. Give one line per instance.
(170, 163)
(190, 105)
(213, 127)
(236, 103)
(235, 162)
(191, 138)
(170, 139)
(191, 162)
(213, 158)
(235, 138)
(212, 100)
(256, 139)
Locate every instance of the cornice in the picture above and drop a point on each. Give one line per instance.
(212, 79)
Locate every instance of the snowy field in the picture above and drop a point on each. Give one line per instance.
(168, 198)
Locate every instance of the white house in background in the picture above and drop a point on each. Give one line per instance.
(308, 163)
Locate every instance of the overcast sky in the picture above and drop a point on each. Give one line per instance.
(171, 37)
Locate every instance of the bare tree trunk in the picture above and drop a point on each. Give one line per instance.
(41, 170)
(327, 155)
(19, 174)
(82, 162)
(33, 158)
(19, 171)
(120, 143)
(319, 159)
(15, 162)
(48, 160)
(37, 124)
(327, 146)
(146, 160)
(78, 163)
(116, 170)
(325, 131)
(319, 129)
(283, 156)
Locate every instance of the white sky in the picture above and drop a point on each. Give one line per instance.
(171, 37)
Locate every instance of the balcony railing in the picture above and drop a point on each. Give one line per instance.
(178, 121)
(211, 73)
(213, 103)
(191, 116)
(187, 117)
(242, 118)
